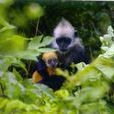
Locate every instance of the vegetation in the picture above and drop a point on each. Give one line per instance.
(90, 91)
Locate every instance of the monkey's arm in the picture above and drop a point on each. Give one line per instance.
(82, 56)
(40, 71)
(42, 68)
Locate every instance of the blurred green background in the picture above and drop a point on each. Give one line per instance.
(37, 17)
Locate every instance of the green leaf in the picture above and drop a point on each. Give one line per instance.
(12, 45)
(37, 42)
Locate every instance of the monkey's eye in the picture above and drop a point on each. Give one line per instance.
(55, 60)
(52, 61)
(65, 40)
(49, 61)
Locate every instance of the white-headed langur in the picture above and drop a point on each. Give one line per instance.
(68, 45)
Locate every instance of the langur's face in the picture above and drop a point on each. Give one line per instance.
(64, 34)
(52, 62)
(63, 43)
(50, 58)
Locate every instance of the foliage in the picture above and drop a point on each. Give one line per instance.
(89, 91)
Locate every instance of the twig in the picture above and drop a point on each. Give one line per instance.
(37, 27)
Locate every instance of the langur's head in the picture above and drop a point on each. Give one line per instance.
(64, 34)
(50, 59)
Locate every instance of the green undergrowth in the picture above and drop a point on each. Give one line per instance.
(89, 91)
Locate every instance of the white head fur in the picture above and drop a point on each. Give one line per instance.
(64, 28)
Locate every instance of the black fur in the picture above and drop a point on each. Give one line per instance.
(75, 55)
(54, 82)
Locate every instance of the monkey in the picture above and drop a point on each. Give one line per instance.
(45, 71)
(68, 45)
(49, 60)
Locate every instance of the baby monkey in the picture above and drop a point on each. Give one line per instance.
(46, 71)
